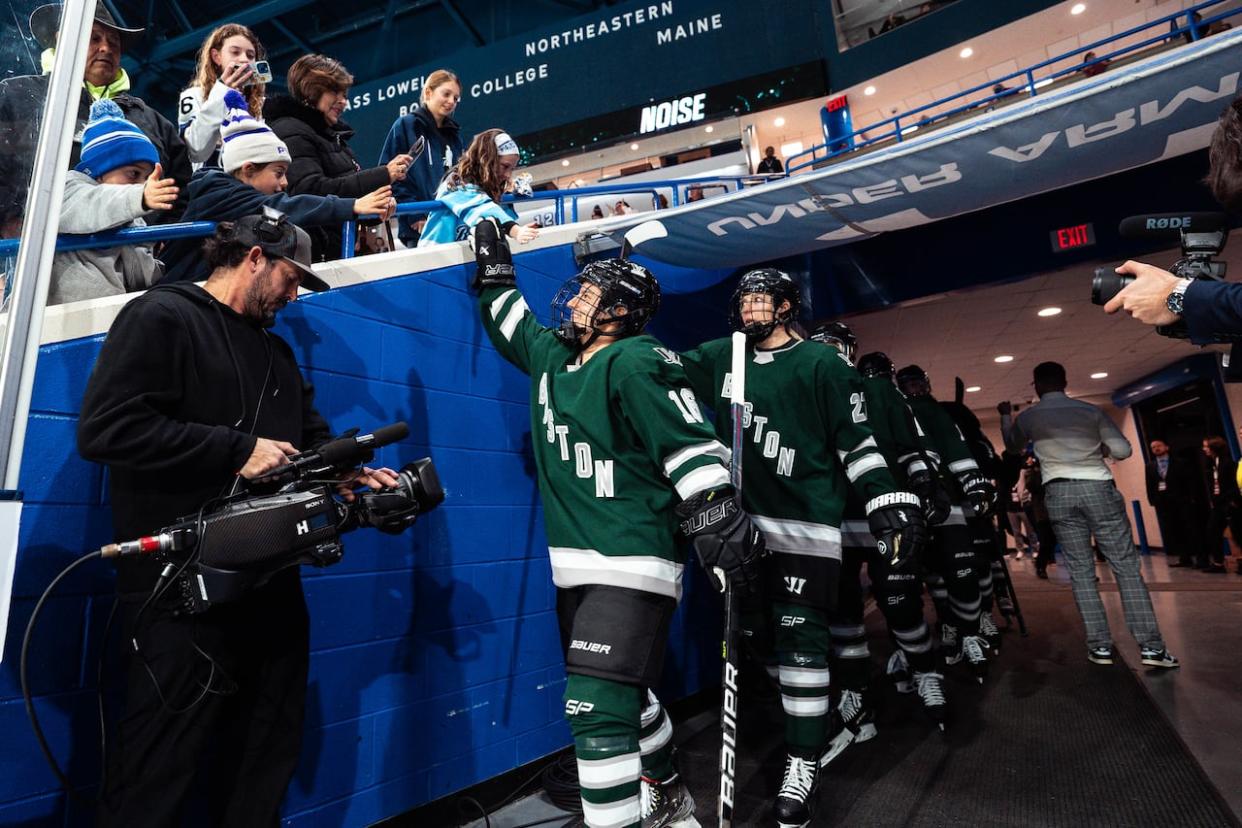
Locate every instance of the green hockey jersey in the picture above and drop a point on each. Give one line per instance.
(808, 437)
(618, 443)
(951, 453)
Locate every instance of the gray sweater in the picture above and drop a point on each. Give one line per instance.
(91, 207)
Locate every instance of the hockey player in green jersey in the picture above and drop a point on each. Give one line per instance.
(915, 665)
(807, 441)
(954, 574)
(622, 454)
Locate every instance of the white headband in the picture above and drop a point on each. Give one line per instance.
(505, 145)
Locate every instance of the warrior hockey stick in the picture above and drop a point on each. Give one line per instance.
(640, 233)
(729, 648)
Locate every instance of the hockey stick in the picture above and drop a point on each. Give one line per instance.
(641, 233)
(1013, 597)
(728, 647)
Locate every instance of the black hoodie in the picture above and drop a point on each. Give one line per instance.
(173, 409)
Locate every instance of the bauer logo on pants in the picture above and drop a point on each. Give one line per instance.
(590, 646)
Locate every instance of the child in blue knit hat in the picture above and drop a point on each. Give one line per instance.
(117, 182)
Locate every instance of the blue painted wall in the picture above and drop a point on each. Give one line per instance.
(435, 658)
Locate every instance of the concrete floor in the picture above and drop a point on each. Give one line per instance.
(1201, 619)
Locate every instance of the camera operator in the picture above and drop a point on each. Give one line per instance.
(192, 393)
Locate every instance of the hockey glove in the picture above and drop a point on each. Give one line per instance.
(727, 543)
(493, 261)
(898, 527)
(933, 495)
(978, 490)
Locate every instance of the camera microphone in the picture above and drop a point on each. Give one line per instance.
(1171, 225)
(341, 453)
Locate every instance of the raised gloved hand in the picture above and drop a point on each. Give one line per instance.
(978, 490)
(493, 261)
(933, 495)
(727, 543)
(898, 526)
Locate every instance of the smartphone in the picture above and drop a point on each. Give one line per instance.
(416, 149)
(262, 73)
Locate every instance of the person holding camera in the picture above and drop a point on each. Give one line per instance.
(1071, 440)
(191, 397)
(308, 120)
(230, 58)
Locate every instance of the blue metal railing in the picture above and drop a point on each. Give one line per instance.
(921, 116)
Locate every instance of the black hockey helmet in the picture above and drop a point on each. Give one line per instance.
(770, 282)
(876, 364)
(839, 336)
(913, 381)
(621, 284)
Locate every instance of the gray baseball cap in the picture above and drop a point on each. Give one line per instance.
(273, 233)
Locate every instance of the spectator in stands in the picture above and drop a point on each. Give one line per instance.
(1174, 491)
(253, 176)
(472, 191)
(225, 61)
(21, 98)
(308, 120)
(1220, 483)
(1090, 69)
(695, 193)
(598, 212)
(116, 182)
(770, 163)
(622, 208)
(433, 122)
(1071, 440)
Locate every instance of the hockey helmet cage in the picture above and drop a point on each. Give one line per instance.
(839, 336)
(621, 283)
(913, 381)
(771, 282)
(876, 364)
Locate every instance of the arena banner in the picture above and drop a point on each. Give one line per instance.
(618, 57)
(1146, 112)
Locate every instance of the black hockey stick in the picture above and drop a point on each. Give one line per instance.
(1013, 597)
(729, 643)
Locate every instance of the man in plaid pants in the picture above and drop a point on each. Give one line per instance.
(1071, 440)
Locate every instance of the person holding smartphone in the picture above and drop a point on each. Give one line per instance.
(230, 58)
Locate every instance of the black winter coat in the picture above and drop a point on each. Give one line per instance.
(21, 108)
(323, 163)
(173, 409)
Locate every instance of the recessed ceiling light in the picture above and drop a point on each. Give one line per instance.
(1003, 358)
(633, 146)
(780, 122)
(1099, 375)
(870, 90)
(965, 53)
(1049, 311)
(1078, 8)
(565, 163)
(973, 388)
(708, 128)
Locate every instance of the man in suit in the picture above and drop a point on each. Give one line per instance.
(1173, 491)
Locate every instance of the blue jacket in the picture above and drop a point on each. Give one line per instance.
(217, 196)
(444, 147)
(465, 206)
(1213, 311)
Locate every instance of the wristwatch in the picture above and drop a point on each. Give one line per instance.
(1177, 297)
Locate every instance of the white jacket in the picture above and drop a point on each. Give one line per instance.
(199, 121)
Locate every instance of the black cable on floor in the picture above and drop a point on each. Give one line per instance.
(559, 779)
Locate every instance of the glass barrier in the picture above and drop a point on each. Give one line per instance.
(858, 21)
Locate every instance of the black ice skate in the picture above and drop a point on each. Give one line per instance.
(972, 650)
(931, 693)
(989, 632)
(898, 671)
(855, 722)
(667, 804)
(949, 646)
(796, 800)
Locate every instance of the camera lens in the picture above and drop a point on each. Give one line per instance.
(1107, 283)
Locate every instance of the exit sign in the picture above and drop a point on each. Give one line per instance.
(1071, 238)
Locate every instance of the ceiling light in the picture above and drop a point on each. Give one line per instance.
(1099, 375)
(708, 128)
(633, 146)
(965, 53)
(1049, 311)
(780, 122)
(565, 163)
(972, 389)
(1078, 8)
(870, 90)
(1003, 358)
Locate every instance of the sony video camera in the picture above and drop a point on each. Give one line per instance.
(1203, 236)
(219, 555)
